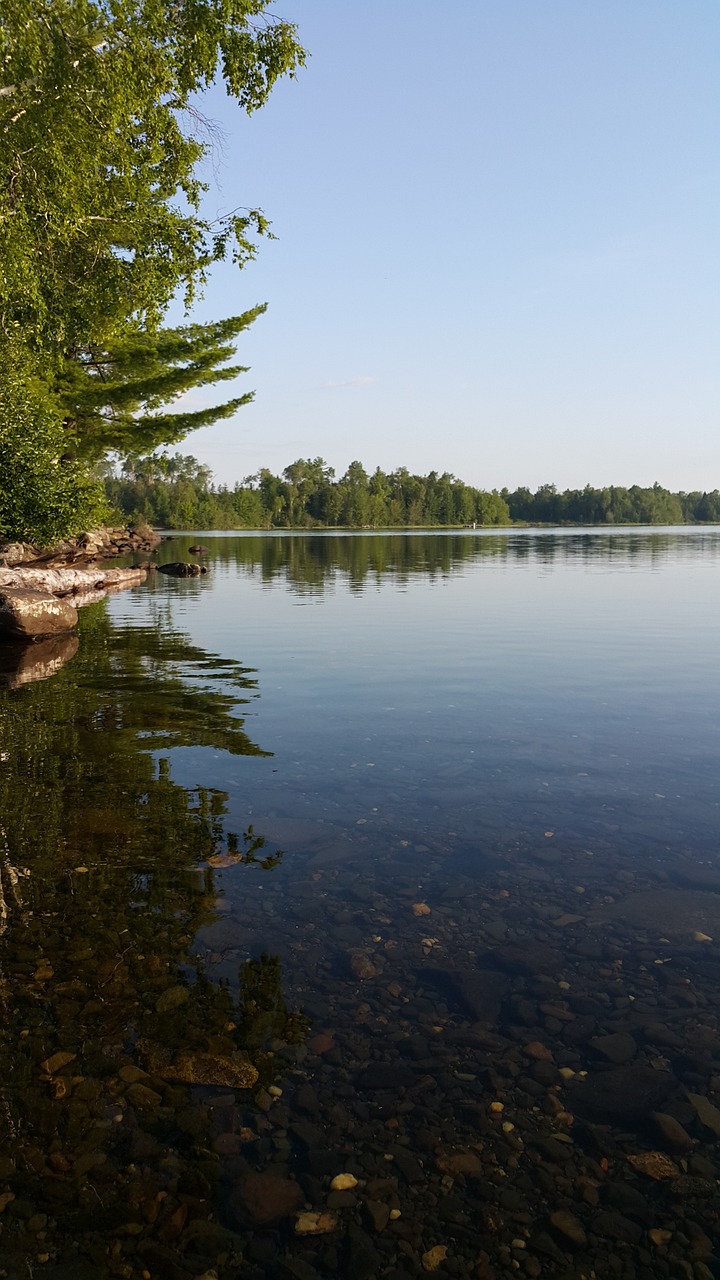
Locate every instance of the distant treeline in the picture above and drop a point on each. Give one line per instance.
(177, 492)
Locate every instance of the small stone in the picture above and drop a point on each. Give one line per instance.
(569, 1226)
(497, 1107)
(655, 1164)
(434, 1257)
(262, 1198)
(315, 1224)
(659, 1236)
(321, 1043)
(343, 1182)
(706, 1112)
(133, 1075)
(618, 1047)
(378, 1213)
(143, 1098)
(57, 1061)
(420, 909)
(538, 1051)
(672, 1131)
(171, 999)
(701, 937)
(363, 967)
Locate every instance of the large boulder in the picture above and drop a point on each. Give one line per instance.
(27, 614)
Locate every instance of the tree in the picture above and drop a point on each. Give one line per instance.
(101, 220)
(356, 496)
(41, 492)
(100, 202)
(109, 395)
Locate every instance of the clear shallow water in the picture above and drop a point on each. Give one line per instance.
(385, 761)
(566, 676)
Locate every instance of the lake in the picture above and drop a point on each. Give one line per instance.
(360, 913)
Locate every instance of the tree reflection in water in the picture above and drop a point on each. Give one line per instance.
(117, 1054)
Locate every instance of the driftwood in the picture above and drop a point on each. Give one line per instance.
(75, 582)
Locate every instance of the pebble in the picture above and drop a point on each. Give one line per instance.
(363, 967)
(432, 1259)
(343, 1182)
(315, 1224)
(569, 1226)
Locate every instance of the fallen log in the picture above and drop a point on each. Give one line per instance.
(65, 582)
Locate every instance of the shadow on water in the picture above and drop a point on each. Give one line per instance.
(121, 1063)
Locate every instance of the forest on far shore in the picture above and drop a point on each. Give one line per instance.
(175, 491)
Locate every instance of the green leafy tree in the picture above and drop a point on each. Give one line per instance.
(43, 494)
(100, 200)
(102, 225)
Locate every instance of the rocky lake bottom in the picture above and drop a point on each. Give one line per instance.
(503, 1074)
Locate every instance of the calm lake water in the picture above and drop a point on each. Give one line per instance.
(423, 829)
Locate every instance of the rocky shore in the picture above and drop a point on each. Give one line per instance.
(95, 544)
(39, 589)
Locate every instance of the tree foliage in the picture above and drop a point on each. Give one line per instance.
(102, 225)
(43, 496)
(110, 396)
(178, 493)
(611, 505)
(100, 200)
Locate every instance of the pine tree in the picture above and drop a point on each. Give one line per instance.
(111, 398)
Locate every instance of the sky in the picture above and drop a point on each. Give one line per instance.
(497, 245)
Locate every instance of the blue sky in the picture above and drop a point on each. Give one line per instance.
(498, 249)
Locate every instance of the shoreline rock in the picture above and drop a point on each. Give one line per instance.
(26, 614)
(60, 582)
(36, 603)
(103, 543)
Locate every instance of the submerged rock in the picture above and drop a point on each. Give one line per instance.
(186, 1067)
(182, 569)
(627, 1093)
(261, 1198)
